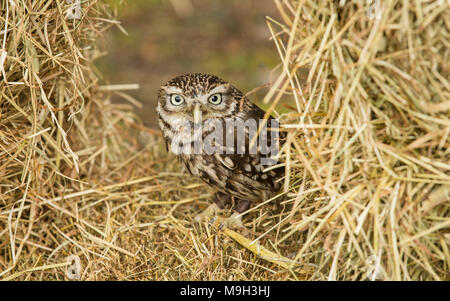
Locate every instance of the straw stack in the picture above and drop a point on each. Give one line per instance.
(57, 131)
(367, 159)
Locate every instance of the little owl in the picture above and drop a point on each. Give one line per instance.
(217, 133)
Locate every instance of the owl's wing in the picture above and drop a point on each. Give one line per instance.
(258, 113)
(235, 171)
(251, 163)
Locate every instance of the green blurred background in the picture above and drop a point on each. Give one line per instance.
(166, 38)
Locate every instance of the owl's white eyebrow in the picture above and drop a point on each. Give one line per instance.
(172, 90)
(220, 89)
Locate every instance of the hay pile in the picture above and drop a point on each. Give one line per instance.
(59, 135)
(367, 171)
(369, 138)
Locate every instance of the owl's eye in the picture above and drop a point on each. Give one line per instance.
(176, 99)
(215, 99)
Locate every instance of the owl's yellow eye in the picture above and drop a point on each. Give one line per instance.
(176, 99)
(215, 99)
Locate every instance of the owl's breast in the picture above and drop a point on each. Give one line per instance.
(235, 177)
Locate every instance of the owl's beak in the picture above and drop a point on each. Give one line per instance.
(197, 114)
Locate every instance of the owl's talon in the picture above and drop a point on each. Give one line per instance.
(232, 222)
(208, 212)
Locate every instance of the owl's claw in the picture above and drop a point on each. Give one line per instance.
(208, 212)
(232, 222)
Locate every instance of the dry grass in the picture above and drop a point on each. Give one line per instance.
(367, 169)
(370, 132)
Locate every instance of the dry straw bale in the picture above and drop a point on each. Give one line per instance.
(370, 132)
(57, 134)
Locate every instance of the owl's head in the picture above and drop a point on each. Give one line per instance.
(197, 97)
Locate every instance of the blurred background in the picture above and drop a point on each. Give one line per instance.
(167, 38)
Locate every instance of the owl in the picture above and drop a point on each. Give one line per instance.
(223, 138)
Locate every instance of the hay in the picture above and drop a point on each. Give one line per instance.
(59, 135)
(370, 133)
(367, 174)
